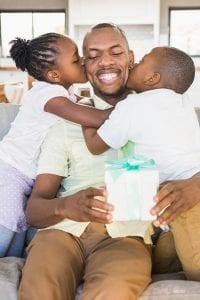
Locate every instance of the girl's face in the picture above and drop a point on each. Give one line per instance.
(69, 65)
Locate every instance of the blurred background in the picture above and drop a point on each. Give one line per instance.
(147, 23)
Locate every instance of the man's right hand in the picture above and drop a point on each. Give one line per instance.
(45, 209)
(84, 206)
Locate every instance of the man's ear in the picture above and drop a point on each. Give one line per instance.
(53, 76)
(152, 79)
(131, 59)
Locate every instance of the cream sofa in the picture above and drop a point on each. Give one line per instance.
(163, 287)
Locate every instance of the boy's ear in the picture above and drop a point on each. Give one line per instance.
(53, 76)
(152, 79)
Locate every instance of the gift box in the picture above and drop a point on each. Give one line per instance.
(131, 184)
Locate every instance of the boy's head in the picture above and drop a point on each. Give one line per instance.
(163, 67)
(50, 57)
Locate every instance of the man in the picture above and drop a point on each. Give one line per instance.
(77, 245)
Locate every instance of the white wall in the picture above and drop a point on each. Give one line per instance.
(139, 19)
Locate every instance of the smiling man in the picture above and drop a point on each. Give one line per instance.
(79, 243)
(107, 60)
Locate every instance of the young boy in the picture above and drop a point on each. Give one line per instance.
(159, 119)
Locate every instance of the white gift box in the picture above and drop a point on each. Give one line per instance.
(131, 186)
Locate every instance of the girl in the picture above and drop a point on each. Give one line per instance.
(53, 60)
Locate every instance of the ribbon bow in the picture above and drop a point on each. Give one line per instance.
(131, 163)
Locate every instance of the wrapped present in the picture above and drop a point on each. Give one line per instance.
(131, 184)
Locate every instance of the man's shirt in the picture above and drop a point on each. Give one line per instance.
(64, 153)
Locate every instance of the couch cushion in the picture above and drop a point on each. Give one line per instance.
(172, 290)
(8, 113)
(10, 274)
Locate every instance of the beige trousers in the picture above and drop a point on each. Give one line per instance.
(110, 268)
(179, 249)
(186, 233)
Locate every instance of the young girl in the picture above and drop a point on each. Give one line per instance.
(53, 60)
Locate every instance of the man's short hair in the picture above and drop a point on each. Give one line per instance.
(105, 25)
(177, 68)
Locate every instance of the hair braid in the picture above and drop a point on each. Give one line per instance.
(37, 55)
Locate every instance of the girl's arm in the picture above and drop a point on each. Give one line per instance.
(81, 114)
(93, 141)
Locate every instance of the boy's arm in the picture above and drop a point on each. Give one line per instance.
(81, 114)
(93, 141)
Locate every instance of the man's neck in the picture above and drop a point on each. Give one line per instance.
(114, 99)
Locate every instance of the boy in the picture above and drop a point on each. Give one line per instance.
(159, 119)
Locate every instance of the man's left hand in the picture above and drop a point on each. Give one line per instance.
(174, 198)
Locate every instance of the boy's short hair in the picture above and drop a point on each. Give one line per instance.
(176, 67)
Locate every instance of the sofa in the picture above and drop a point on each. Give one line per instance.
(171, 286)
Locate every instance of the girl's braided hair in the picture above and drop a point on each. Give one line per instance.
(37, 55)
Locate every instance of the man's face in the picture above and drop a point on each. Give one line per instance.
(107, 59)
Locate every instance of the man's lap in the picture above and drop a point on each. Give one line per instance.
(57, 252)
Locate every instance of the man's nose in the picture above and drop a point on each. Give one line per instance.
(106, 60)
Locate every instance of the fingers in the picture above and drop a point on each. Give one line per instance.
(95, 209)
(168, 205)
(91, 192)
(165, 190)
(168, 197)
(169, 214)
(96, 215)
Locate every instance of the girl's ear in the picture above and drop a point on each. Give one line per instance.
(53, 76)
(152, 79)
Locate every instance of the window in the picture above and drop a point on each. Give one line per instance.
(185, 30)
(28, 25)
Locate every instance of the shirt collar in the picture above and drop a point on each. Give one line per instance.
(99, 103)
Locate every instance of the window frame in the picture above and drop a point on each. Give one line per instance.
(32, 11)
(169, 21)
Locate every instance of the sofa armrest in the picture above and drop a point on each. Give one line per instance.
(8, 113)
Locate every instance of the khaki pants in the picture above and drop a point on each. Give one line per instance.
(186, 233)
(180, 249)
(111, 268)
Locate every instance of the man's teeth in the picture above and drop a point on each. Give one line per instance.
(108, 76)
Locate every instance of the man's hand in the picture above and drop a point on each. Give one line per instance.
(174, 198)
(85, 207)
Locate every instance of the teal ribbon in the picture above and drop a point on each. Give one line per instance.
(134, 163)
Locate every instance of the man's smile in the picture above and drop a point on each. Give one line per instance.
(107, 76)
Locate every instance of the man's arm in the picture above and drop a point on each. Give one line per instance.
(176, 197)
(93, 141)
(45, 209)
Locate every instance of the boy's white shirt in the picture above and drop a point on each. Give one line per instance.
(21, 146)
(164, 127)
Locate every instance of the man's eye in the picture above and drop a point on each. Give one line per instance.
(117, 53)
(92, 57)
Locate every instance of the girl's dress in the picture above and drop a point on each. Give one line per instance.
(19, 152)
